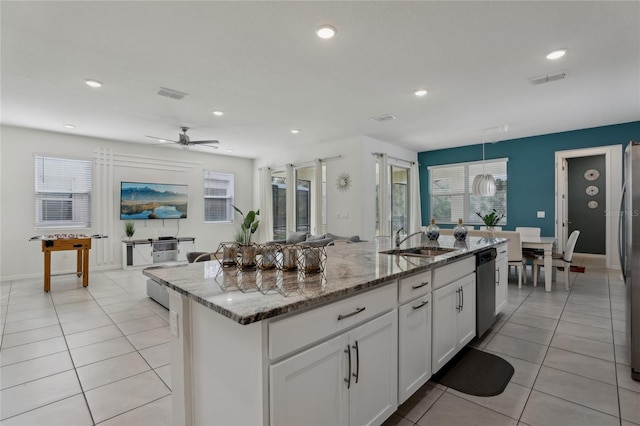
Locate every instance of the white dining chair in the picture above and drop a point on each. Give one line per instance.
(559, 260)
(526, 231)
(514, 253)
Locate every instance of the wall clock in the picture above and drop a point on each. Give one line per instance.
(343, 182)
(592, 190)
(591, 174)
(592, 204)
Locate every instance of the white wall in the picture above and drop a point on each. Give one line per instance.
(23, 258)
(352, 212)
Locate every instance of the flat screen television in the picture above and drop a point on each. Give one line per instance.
(142, 201)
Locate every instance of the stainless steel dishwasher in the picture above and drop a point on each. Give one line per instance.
(485, 290)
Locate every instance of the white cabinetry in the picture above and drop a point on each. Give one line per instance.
(350, 379)
(414, 334)
(502, 278)
(454, 311)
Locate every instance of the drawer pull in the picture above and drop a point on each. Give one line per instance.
(415, 287)
(420, 305)
(357, 311)
(78, 245)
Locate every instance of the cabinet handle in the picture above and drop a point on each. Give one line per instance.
(498, 276)
(348, 379)
(357, 311)
(420, 305)
(458, 302)
(503, 251)
(462, 303)
(415, 287)
(357, 373)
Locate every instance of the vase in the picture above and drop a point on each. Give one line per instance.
(246, 256)
(433, 232)
(229, 253)
(460, 231)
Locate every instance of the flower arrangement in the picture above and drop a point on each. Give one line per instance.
(492, 219)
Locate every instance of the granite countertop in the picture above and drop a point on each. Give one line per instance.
(251, 296)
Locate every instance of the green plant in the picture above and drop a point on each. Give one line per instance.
(129, 228)
(492, 218)
(249, 224)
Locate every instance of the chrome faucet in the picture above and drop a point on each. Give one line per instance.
(400, 241)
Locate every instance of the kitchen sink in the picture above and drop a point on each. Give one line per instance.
(420, 251)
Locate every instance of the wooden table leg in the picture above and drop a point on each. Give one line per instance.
(85, 267)
(79, 268)
(47, 271)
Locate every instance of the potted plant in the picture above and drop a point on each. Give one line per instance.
(248, 227)
(492, 219)
(129, 228)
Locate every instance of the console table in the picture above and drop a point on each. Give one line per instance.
(149, 252)
(81, 245)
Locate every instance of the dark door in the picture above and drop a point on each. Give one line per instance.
(586, 202)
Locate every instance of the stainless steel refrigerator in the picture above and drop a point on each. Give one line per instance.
(630, 250)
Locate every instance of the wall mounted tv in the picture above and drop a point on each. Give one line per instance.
(153, 201)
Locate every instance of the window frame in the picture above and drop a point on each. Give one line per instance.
(77, 173)
(468, 216)
(210, 176)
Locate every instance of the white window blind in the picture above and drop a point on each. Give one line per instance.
(62, 192)
(218, 197)
(450, 192)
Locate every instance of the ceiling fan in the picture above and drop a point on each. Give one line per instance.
(185, 141)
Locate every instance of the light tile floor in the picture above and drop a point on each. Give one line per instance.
(100, 355)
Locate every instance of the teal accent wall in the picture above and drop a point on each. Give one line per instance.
(530, 169)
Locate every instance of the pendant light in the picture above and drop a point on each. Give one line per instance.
(484, 184)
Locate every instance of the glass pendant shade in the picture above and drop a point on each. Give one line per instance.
(484, 184)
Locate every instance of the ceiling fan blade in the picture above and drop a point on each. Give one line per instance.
(162, 140)
(203, 142)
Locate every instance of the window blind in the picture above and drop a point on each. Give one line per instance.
(450, 191)
(62, 192)
(218, 197)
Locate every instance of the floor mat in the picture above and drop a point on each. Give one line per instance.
(475, 372)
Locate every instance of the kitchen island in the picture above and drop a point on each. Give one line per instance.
(273, 347)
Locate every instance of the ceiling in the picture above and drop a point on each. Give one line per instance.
(263, 66)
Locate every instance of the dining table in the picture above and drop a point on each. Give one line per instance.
(546, 244)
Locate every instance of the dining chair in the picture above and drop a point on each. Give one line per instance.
(514, 253)
(526, 231)
(559, 260)
(529, 254)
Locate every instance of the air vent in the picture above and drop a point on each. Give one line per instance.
(385, 117)
(547, 78)
(173, 94)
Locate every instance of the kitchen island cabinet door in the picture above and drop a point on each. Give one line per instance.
(454, 319)
(310, 388)
(467, 312)
(502, 278)
(414, 343)
(446, 303)
(374, 374)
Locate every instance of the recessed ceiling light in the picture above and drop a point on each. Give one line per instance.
(229, 150)
(326, 31)
(69, 126)
(420, 92)
(556, 54)
(218, 113)
(295, 131)
(93, 83)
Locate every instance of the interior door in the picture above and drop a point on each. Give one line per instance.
(586, 202)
